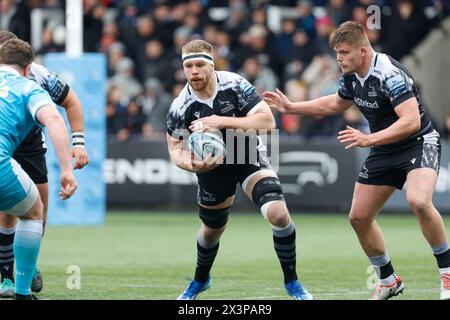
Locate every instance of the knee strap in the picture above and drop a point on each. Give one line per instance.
(267, 189)
(214, 218)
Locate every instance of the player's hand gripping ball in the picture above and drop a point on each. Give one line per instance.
(204, 143)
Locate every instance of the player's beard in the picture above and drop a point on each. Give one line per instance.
(200, 84)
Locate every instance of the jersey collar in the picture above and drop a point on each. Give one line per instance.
(372, 65)
(9, 69)
(209, 101)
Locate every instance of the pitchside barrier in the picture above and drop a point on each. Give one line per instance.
(319, 177)
(87, 77)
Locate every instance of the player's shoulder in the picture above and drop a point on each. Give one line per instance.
(38, 73)
(227, 77)
(37, 68)
(233, 81)
(386, 66)
(184, 99)
(347, 80)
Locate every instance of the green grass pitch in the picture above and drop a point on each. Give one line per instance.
(149, 256)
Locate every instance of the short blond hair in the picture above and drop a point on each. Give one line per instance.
(349, 32)
(196, 46)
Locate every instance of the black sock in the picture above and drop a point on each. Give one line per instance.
(443, 259)
(6, 255)
(386, 270)
(284, 243)
(205, 260)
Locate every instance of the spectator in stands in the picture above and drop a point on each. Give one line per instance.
(124, 79)
(324, 28)
(15, 16)
(339, 11)
(157, 62)
(306, 20)
(134, 120)
(128, 15)
(135, 40)
(114, 120)
(116, 52)
(223, 55)
(410, 25)
(155, 105)
(321, 76)
(164, 24)
(284, 40)
(255, 44)
(291, 125)
(262, 78)
(93, 15)
(236, 24)
(110, 35)
(53, 40)
(115, 111)
(196, 8)
(301, 54)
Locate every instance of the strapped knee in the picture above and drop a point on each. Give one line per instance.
(214, 218)
(266, 190)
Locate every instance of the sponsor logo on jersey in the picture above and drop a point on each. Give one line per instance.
(225, 106)
(372, 91)
(366, 104)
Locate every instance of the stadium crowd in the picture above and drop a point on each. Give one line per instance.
(281, 43)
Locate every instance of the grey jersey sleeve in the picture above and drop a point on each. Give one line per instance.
(398, 87)
(50, 82)
(246, 94)
(177, 126)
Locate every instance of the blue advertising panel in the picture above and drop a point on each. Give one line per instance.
(87, 77)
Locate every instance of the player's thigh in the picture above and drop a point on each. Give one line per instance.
(216, 188)
(368, 200)
(421, 184)
(18, 193)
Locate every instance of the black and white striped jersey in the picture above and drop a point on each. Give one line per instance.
(234, 97)
(386, 85)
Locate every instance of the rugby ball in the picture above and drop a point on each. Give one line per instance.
(204, 143)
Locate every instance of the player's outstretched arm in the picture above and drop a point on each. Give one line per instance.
(49, 116)
(326, 105)
(75, 116)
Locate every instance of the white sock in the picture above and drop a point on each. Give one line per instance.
(444, 271)
(389, 280)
